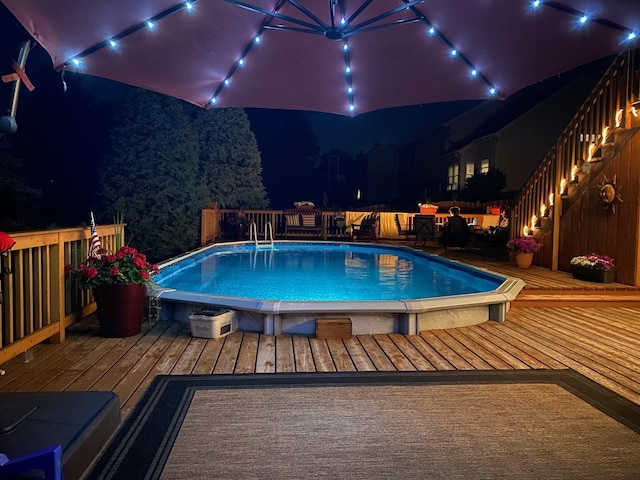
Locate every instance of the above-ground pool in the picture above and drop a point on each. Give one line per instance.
(287, 286)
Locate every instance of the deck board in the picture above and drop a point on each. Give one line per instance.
(600, 342)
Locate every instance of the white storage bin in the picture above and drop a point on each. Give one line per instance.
(213, 323)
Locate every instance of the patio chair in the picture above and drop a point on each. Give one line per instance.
(48, 461)
(403, 231)
(425, 228)
(366, 230)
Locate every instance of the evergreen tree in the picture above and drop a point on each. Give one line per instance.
(151, 174)
(229, 158)
(485, 187)
(18, 200)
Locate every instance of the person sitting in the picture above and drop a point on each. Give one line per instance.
(456, 231)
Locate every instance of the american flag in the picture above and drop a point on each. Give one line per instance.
(94, 243)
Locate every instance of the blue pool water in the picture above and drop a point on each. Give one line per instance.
(302, 272)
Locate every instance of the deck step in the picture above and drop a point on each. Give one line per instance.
(584, 298)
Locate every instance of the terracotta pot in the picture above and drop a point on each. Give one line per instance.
(524, 259)
(120, 308)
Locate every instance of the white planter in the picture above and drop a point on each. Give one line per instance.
(213, 323)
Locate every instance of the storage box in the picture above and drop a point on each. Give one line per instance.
(214, 323)
(333, 327)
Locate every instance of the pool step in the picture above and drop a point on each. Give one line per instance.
(333, 327)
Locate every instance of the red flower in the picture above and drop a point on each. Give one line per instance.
(114, 272)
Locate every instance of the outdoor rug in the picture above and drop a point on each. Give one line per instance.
(525, 424)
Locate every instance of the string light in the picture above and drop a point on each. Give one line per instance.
(346, 29)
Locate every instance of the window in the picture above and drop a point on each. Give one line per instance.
(470, 170)
(484, 166)
(452, 177)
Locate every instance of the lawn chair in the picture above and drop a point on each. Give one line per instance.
(367, 229)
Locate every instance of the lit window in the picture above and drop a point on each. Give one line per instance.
(470, 170)
(484, 166)
(452, 177)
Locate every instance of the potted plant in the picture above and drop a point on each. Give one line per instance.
(118, 282)
(594, 268)
(428, 208)
(524, 248)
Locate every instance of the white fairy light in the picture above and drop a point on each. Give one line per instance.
(150, 25)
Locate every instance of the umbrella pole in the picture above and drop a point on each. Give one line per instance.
(22, 60)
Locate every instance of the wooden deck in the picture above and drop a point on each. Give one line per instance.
(600, 340)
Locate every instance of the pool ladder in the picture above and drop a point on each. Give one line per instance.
(268, 235)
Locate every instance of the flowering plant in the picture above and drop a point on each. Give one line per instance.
(524, 245)
(594, 261)
(127, 265)
(427, 205)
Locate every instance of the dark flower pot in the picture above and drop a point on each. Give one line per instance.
(120, 308)
(590, 275)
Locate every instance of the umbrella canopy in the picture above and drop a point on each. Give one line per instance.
(335, 56)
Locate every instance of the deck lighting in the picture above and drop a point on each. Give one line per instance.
(583, 19)
(113, 43)
(75, 61)
(345, 47)
(213, 101)
(349, 89)
(535, 4)
(257, 39)
(474, 72)
(605, 134)
(619, 114)
(563, 186)
(150, 25)
(534, 220)
(551, 195)
(188, 6)
(543, 209)
(574, 173)
(492, 91)
(431, 31)
(453, 52)
(347, 69)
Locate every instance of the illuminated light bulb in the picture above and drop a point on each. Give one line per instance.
(345, 47)
(525, 230)
(226, 82)
(543, 209)
(492, 90)
(347, 69)
(584, 19)
(350, 90)
(631, 36)
(113, 43)
(619, 114)
(534, 220)
(535, 3)
(257, 39)
(431, 31)
(75, 61)
(453, 52)
(189, 6)
(343, 21)
(352, 108)
(241, 62)
(213, 100)
(150, 25)
(551, 199)
(563, 185)
(474, 72)
(605, 134)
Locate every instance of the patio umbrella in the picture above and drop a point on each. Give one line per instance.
(336, 56)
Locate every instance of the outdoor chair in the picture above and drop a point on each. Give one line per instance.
(366, 230)
(425, 228)
(48, 461)
(403, 231)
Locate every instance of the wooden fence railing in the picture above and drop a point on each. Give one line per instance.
(38, 300)
(609, 108)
